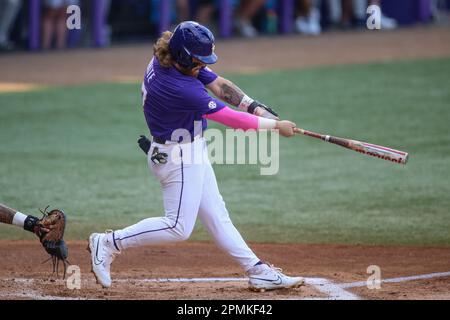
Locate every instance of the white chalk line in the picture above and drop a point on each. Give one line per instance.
(163, 280)
(396, 280)
(334, 291)
(331, 290)
(35, 295)
(29, 293)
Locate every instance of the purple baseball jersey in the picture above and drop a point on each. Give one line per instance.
(173, 100)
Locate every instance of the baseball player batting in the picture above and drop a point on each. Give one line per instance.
(174, 99)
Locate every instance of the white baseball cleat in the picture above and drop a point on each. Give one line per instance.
(266, 277)
(102, 255)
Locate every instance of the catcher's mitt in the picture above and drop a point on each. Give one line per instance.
(50, 230)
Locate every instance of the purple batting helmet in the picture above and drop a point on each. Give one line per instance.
(192, 40)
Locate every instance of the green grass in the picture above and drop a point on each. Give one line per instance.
(75, 148)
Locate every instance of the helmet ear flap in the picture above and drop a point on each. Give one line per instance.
(179, 53)
(185, 59)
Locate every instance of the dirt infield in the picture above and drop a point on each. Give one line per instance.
(127, 63)
(210, 274)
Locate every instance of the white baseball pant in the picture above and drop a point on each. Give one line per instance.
(189, 189)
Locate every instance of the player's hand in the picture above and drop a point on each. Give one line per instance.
(286, 128)
(261, 112)
(144, 143)
(260, 109)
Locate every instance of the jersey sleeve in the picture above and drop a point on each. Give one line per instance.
(200, 102)
(206, 76)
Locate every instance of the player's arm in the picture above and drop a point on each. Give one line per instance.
(227, 91)
(14, 217)
(245, 121)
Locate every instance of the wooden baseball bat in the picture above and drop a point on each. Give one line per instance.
(359, 146)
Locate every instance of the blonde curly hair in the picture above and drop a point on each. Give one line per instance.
(161, 50)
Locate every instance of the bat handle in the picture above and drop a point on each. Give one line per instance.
(299, 130)
(312, 134)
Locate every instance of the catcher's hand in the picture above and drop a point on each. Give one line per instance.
(50, 230)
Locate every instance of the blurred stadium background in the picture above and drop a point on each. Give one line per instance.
(31, 24)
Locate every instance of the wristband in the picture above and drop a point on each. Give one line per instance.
(264, 123)
(245, 103)
(251, 108)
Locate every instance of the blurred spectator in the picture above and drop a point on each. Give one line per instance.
(308, 17)
(439, 11)
(204, 11)
(87, 29)
(246, 11)
(8, 14)
(183, 10)
(340, 13)
(54, 23)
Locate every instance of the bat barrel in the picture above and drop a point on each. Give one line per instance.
(383, 152)
(362, 147)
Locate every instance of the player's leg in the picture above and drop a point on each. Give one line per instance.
(14, 217)
(182, 190)
(182, 185)
(215, 218)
